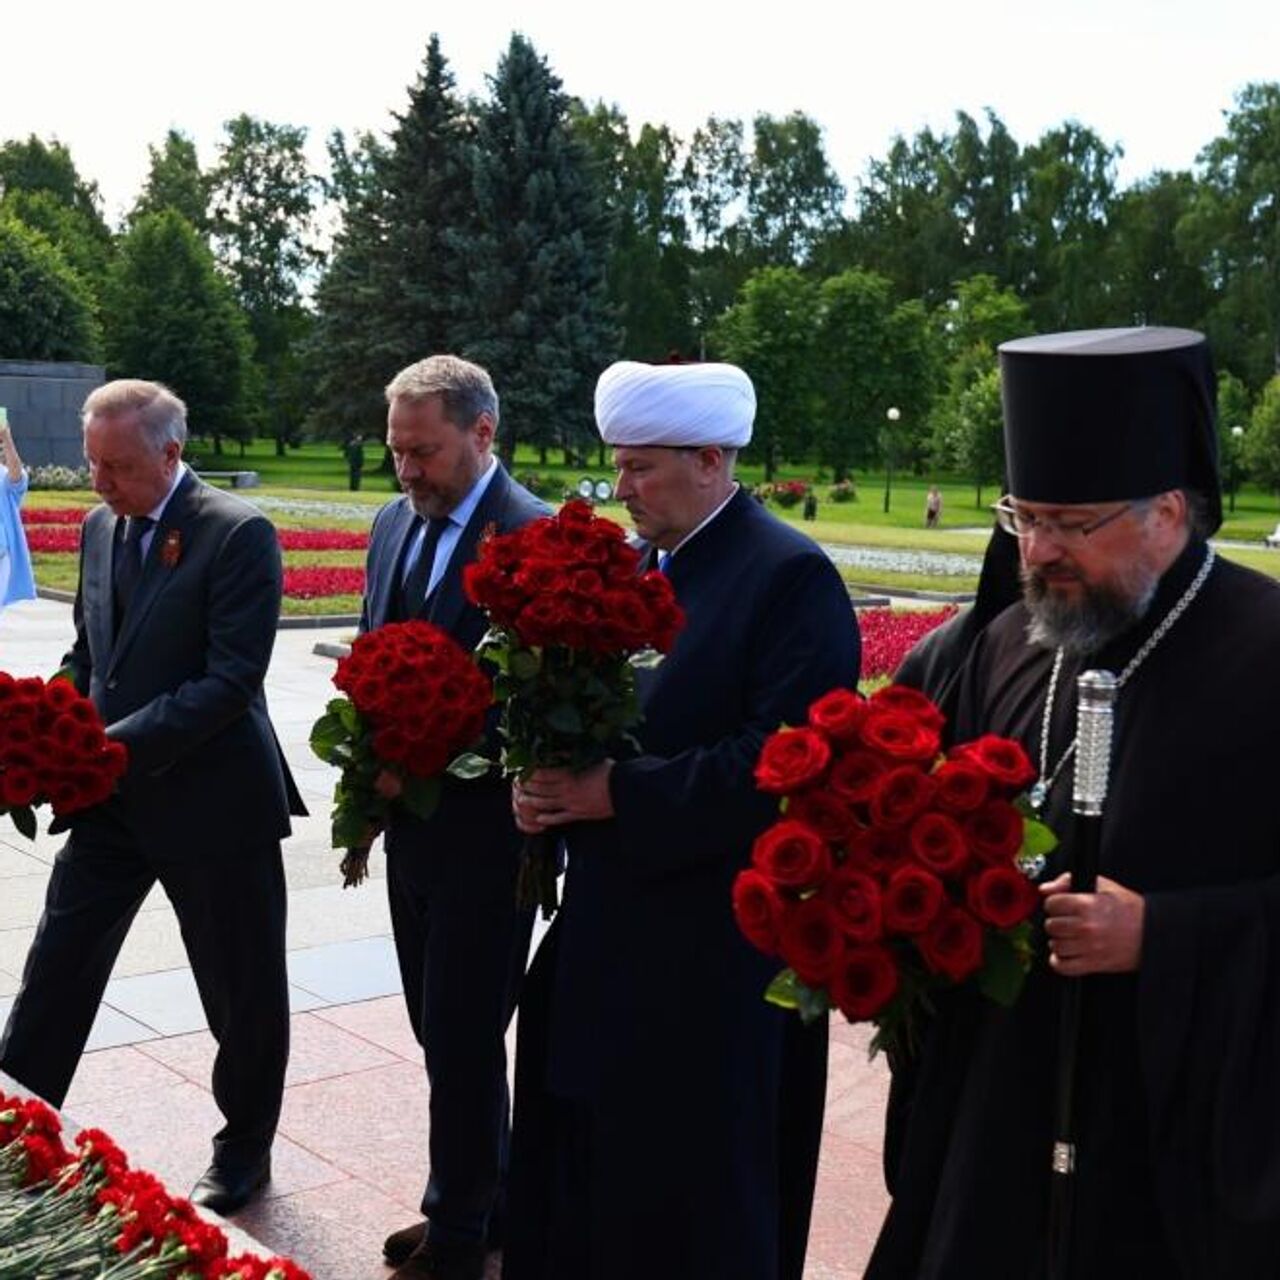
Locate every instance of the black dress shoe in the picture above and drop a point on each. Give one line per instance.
(434, 1261)
(397, 1247)
(224, 1190)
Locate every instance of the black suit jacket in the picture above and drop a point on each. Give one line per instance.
(181, 685)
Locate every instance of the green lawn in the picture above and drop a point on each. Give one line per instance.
(317, 470)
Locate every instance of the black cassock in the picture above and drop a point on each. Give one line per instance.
(648, 1059)
(1179, 1085)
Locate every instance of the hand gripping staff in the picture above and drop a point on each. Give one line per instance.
(1095, 706)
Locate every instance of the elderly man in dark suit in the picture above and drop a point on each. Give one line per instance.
(461, 942)
(175, 617)
(667, 1118)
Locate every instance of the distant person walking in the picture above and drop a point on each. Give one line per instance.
(16, 580)
(933, 507)
(355, 461)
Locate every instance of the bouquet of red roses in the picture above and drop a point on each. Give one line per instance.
(893, 871)
(415, 701)
(53, 750)
(82, 1212)
(571, 618)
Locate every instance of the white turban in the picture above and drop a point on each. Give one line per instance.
(675, 405)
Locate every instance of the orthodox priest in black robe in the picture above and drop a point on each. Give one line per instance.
(1112, 461)
(666, 1117)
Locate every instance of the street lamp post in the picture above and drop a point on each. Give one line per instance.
(892, 415)
(1236, 434)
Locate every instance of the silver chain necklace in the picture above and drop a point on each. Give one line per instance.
(1040, 792)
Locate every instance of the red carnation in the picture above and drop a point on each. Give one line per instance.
(994, 832)
(912, 899)
(791, 759)
(864, 982)
(838, 714)
(856, 899)
(939, 844)
(1002, 896)
(791, 853)
(811, 940)
(952, 945)
(757, 907)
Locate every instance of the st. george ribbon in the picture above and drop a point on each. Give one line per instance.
(1095, 706)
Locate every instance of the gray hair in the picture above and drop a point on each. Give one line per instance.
(465, 389)
(162, 415)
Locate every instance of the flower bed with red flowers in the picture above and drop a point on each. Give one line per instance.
(44, 533)
(82, 1212)
(312, 582)
(53, 750)
(414, 700)
(571, 619)
(322, 539)
(893, 871)
(888, 635)
(54, 515)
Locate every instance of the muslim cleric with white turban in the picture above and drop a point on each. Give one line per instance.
(675, 406)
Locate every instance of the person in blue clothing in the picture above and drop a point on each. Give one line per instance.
(667, 1117)
(16, 580)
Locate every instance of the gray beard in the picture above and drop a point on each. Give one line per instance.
(1100, 615)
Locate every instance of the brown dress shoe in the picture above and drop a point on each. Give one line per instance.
(397, 1247)
(434, 1261)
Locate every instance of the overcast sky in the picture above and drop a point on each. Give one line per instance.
(1154, 76)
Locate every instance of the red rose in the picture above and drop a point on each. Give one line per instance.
(60, 695)
(912, 899)
(864, 981)
(878, 850)
(952, 945)
(901, 697)
(1002, 896)
(1001, 759)
(838, 714)
(856, 899)
(811, 941)
(994, 832)
(900, 736)
(825, 812)
(758, 909)
(900, 796)
(938, 842)
(791, 853)
(791, 759)
(855, 776)
(962, 786)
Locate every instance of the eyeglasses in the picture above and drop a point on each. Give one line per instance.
(1066, 533)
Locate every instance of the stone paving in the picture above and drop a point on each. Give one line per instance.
(350, 1160)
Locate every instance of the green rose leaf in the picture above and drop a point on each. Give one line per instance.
(420, 796)
(469, 765)
(565, 718)
(1038, 841)
(24, 818)
(1002, 973)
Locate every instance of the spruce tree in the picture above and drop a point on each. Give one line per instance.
(537, 314)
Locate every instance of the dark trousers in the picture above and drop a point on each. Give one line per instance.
(231, 911)
(461, 946)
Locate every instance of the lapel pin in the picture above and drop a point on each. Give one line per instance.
(171, 550)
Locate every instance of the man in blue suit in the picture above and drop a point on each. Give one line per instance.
(175, 615)
(460, 940)
(667, 1117)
